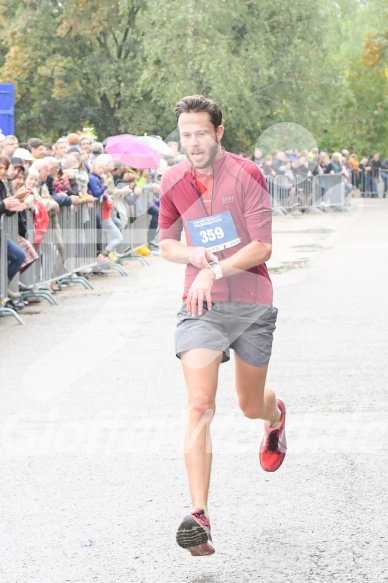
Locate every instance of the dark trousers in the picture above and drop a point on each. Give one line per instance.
(384, 176)
(152, 227)
(372, 186)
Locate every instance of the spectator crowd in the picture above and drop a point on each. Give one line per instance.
(364, 174)
(41, 179)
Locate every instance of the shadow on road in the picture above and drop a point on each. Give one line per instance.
(206, 579)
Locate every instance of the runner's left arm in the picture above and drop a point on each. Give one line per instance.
(251, 255)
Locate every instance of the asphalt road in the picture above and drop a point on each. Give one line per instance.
(92, 481)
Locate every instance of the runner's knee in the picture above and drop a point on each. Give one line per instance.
(251, 410)
(200, 407)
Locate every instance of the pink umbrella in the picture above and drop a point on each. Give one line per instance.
(132, 152)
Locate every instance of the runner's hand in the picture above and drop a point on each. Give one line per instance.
(200, 257)
(200, 291)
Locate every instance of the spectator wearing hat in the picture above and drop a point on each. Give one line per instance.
(25, 155)
(16, 168)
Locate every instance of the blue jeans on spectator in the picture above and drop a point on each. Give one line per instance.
(384, 176)
(112, 233)
(372, 186)
(16, 257)
(153, 210)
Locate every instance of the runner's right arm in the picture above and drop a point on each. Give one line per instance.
(177, 252)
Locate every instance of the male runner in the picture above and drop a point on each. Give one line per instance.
(221, 202)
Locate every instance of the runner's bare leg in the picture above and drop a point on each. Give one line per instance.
(255, 399)
(200, 369)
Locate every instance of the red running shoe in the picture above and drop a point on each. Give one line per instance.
(194, 534)
(274, 444)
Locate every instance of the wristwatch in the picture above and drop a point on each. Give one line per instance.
(216, 268)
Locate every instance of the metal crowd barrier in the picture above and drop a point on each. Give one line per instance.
(4, 309)
(69, 248)
(78, 235)
(315, 193)
(135, 233)
(329, 190)
(67, 252)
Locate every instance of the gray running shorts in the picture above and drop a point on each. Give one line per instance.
(246, 328)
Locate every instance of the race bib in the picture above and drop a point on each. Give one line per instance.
(216, 232)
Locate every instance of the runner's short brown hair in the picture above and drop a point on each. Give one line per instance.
(197, 104)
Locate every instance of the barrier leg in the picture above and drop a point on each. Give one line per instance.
(40, 294)
(134, 257)
(117, 267)
(9, 312)
(75, 279)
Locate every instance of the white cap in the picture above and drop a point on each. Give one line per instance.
(23, 153)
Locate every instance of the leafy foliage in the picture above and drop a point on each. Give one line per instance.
(121, 66)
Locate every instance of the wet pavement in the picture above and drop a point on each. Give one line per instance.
(93, 408)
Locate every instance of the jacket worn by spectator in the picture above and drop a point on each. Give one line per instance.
(375, 167)
(4, 194)
(62, 200)
(96, 188)
(41, 192)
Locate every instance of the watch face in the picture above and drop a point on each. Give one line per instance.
(216, 268)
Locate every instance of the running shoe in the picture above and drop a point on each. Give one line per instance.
(274, 444)
(194, 534)
(113, 256)
(103, 258)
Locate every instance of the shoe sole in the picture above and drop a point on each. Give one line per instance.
(194, 538)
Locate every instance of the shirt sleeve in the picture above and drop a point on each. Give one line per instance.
(257, 206)
(170, 220)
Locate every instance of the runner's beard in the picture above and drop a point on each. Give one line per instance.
(208, 161)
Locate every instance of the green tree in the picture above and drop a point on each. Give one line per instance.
(360, 119)
(73, 62)
(121, 66)
(255, 58)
